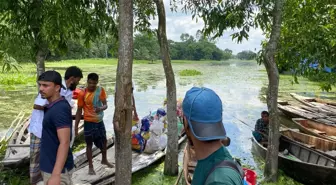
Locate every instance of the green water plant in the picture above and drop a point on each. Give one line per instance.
(190, 72)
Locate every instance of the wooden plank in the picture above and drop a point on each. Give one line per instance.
(105, 175)
(80, 156)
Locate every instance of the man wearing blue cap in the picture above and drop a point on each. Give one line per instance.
(202, 119)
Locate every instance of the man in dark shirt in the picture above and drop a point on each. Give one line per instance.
(56, 160)
(260, 132)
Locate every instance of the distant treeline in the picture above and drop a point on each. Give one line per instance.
(146, 47)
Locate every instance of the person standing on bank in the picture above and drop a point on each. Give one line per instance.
(71, 79)
(93, 101)
(56, 159)
(72, 76)
(202, 120)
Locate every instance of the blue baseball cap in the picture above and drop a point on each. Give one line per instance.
(203, 109)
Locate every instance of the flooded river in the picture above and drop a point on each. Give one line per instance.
(240, 84)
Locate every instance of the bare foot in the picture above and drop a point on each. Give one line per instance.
(107, 164)
(91, 171)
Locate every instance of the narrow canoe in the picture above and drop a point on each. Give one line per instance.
(18, 148)
(301, 163)
(105, 175)
(324, 108)
(294, 111)
(312, 100)
(189, 164)
(321, 145)
(314, 128)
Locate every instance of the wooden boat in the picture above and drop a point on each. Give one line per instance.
(321, 145)
(106, 175)
(80, 156)
(189, 164)
(311, 103)
(293, 111)
(313, 100)
(18, 147)
(314, 128)
(301, 163)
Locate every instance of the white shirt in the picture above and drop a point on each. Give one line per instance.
(35, 126)
(66, 93)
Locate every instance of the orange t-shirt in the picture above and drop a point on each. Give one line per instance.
(89, 100)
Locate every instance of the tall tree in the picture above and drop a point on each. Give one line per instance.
(308, 35)
(171, 159)
(219, 16)
(122, 119)
(271, 167)
(46, 25)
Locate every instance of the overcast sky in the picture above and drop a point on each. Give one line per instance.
(178, 23)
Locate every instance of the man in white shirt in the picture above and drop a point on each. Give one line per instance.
(71, 79)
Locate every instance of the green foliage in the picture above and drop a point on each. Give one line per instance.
(246, 55)
(146, 47)
(282, 180)
(192, 49)
(190, 72)
(79, 144)
(51, 24)
(11, 176)
(3, 147)
(309, 33)
(14, 176)
(227, 54)
(8, 63)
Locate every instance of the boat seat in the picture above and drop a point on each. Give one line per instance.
(320, 132)
(309, 146)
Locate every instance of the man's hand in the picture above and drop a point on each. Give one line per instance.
(54, 180)
(97, 109)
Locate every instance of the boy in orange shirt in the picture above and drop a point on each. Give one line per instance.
(93, 101)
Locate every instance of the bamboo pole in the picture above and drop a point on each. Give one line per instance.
(179, 177)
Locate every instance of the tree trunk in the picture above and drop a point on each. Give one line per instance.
(171, 160)
(40, 47)
(122, 119)
(40, 61)
(271, 167)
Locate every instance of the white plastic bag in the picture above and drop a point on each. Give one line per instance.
(157, 140)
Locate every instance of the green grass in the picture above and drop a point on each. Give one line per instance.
(282, 180)
(190, 72)
(154, 176)
(79, 144)
(14, 176)
(17, 79)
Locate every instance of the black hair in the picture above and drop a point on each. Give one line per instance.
(265, 113)
(73, 71)
(93, 76)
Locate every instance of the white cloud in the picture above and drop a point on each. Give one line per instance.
(178, 23)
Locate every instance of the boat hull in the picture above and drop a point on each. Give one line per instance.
(312, 168)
